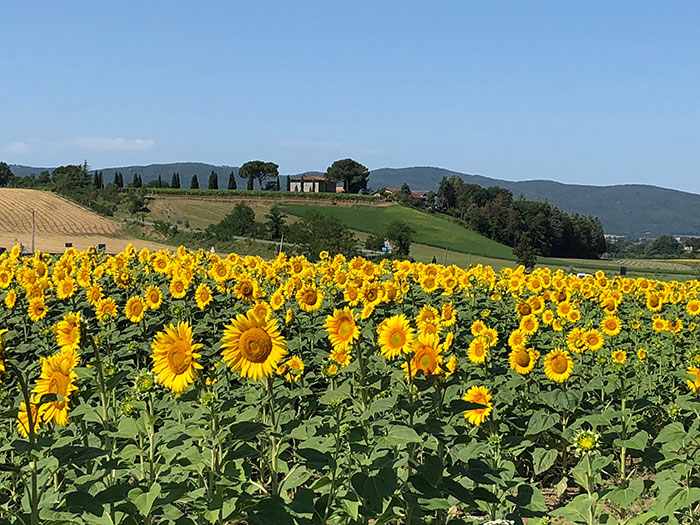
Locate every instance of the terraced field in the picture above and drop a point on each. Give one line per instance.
(57, 222)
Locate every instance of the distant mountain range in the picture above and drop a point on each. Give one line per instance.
(636, 210)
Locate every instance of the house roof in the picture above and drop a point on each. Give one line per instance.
(306, 178)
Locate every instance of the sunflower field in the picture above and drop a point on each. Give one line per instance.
(191, 388)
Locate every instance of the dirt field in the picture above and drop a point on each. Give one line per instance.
(58, 222)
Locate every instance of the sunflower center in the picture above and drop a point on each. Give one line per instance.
(479, 350)
(345, 329)
(58, 384)
(310, 297)
(179, 357)
(559, 364)
(426, 361)
(522, 358)
(397, 339)
(255, 345)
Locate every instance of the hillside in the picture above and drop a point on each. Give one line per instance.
(629, 209)
(57, 221)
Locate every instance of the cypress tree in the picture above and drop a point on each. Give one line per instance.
(289, 183)
(195, 182)
(232, 181)
(137, 181)
(96, 180)
(102, 181)
(214, 181)
(175, 183)
(160, 181)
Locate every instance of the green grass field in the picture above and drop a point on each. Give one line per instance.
(439, 237)
(431, 230)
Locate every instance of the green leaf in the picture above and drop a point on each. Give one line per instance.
(127, 428)
(543, 459)
(636, 442)
(622, 497)
(672, 433)
(270, 510)
(399, 436)
(376, 489)
(246, 430)
(75, 455)
(295, 477)
(579, 509)
(539, 422)
(82, 501)
(144, 500)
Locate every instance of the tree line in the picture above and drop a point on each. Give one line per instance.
(528, 226)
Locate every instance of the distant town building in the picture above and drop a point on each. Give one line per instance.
(311, 184)
(418, 194)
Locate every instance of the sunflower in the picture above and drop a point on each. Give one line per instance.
(277, 300)
(10, 299)
(178, 288)
(522, 360)
(341, 356)
(57, 377)
(153, 297)
(67, 332)
(427, 355)
(641, 354)
(252, 346)
(135, 309)
(247, 290)
(693, 307)
(342, 329)
(448, 314)
(479, 395)
(695, 383)
(558, 365)
(37, 309)
(23, 417)
(427, 315)
(203, 296)
(106, 309)
(594, 339)
(654, 302)
(517, 339)
(174, 357)
(477, 327)
(619, 357)
(529, 324)
(65, 289)
(478, 350)
(309, 298)
(262, 311)
(94, 294)
(395, 336)
(611, 325)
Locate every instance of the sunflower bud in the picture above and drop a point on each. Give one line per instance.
(145, 382)
(586, 441)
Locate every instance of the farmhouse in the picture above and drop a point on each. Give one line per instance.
(311, 184)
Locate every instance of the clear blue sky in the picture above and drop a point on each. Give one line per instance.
(588, 92)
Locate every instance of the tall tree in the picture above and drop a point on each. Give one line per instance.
(401, 235)
(258, 170)
(353, 175)
(213, 181)
(232, 181)
(275, 222)
(137, 181)
(175, 180)
(195, 182)
(5, 174)
(160, 181)
(96, 180)
(71, 178)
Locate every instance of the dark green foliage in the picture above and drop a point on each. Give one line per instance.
(400, 234)
(137, 182)
(317, 232)
(664, 246)
(524, 250)
(70, 179)
(5, 174)
(118, 180)
(194, 184)
(213, 181)
(260, 171)
(175, 180)
(374, 242)
(232, 181)
(351, 173)
(239, 223)
(494, 213)
(275, 222)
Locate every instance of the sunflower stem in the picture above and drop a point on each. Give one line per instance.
(34, 492)
(273, 439)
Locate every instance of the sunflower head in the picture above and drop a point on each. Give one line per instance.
(479, 395)
(252, 346)
(558, 365)
(174, 357)
(395, 336)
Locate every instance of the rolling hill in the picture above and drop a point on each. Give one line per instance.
(635, 210)
(626, 209)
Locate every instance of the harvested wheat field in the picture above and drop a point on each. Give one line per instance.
(57, 222)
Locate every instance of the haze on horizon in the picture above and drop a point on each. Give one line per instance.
(588, 93)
